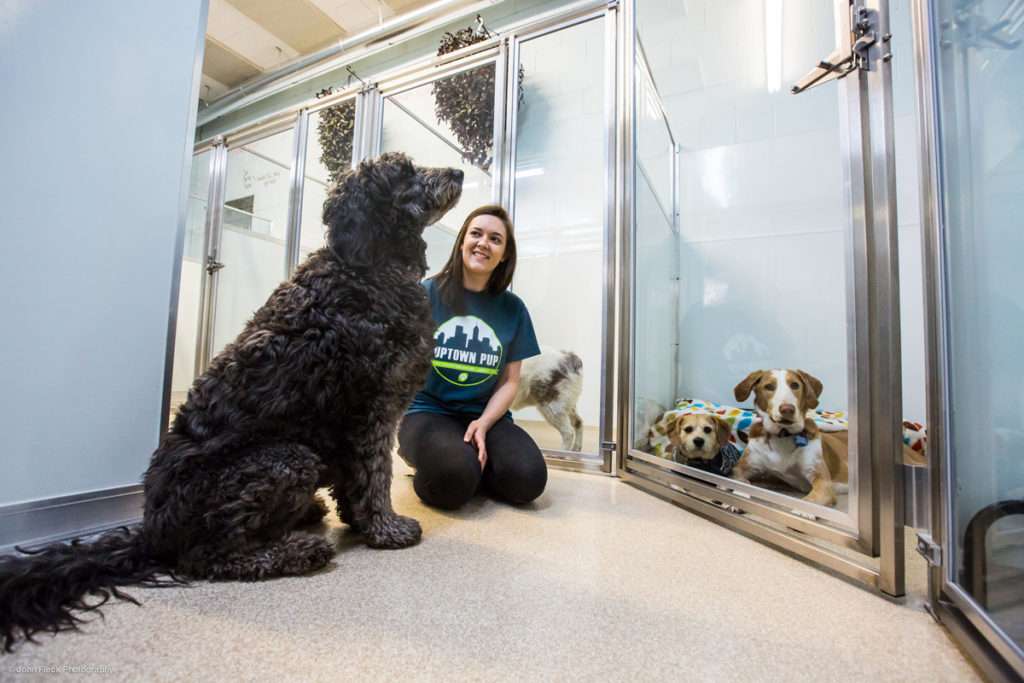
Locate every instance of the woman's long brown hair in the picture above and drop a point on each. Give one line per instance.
(449, 280)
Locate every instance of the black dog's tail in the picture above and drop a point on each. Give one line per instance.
(41, 589)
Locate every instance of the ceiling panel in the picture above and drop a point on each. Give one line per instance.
(354, 15)
(245, 37)
(298, 22)
(223, 65)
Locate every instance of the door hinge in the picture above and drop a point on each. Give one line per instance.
(844, 61)
(929, 549)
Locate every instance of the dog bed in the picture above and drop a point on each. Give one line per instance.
(915, 435)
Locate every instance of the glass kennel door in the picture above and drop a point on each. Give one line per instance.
(423, 119)
(974, 57)
(330, 150)
(561, 110)
(190, 287)
(785, 255)
(247, 257)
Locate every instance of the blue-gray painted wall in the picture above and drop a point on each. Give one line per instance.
(98, 117)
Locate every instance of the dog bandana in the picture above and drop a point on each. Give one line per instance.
(722, 463)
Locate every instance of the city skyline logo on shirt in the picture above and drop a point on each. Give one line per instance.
(467, 351)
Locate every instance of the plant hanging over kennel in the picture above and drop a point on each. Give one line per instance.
(335, 132)
(465, 101)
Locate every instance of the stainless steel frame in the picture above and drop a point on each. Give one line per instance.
(985, 641)
(39, 522)
(613, 231)
(298, 183)
(208, 286)
(874, 527)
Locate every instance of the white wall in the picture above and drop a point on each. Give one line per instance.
(99, 117)
(764, 209)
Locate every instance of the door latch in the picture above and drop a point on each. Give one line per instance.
(844, 61)
(929, 549)
(213, 265)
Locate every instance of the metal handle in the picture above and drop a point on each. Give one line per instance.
(213, 265)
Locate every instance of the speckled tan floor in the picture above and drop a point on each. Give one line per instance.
(597, 580)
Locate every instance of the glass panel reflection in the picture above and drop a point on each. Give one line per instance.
(559, 217)
(413, 125)
(328, 155)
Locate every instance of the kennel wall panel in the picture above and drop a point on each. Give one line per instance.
(656, 330)
(559, 200)
(95, 201)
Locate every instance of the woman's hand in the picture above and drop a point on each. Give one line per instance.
(476, 433)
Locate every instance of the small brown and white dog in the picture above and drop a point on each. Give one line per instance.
(787, 445)
(702, 441)
(552, 382)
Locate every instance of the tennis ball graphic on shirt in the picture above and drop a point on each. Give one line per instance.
(467, 351)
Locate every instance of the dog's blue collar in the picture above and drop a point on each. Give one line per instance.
(799, 439)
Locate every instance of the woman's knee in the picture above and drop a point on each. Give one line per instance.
(449, 483)
(521, 481)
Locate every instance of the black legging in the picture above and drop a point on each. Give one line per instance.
(448, 469)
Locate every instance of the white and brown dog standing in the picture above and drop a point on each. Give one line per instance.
(553, 382)
(787, 445)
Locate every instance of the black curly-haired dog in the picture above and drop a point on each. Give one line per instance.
(308, 395)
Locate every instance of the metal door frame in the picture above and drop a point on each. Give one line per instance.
(874, 348)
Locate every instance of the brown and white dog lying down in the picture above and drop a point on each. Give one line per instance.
(702, 441)
(787, 445)
(552, 382)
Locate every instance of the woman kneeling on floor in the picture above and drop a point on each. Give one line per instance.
(458, 433)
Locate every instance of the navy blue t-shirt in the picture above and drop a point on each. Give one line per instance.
(471, 351)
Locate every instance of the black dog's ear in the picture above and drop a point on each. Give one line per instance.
(409, 198)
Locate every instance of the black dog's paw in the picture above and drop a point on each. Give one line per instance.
(393, 532)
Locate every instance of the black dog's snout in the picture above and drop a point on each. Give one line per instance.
(458, 175)
(698, 442)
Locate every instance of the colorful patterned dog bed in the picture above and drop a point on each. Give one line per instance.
(914, 434)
